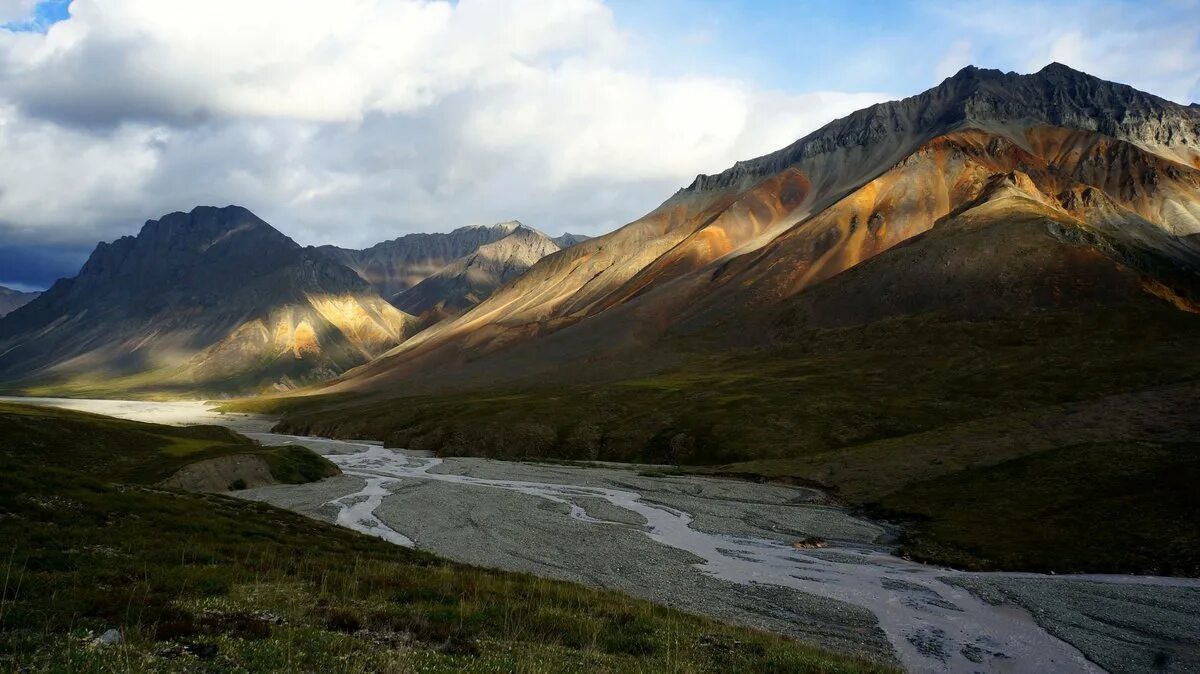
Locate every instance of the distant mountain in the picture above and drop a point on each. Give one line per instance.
(567, 240)
(208, 302)
(469, 280)
(11, 300)
(397, 265)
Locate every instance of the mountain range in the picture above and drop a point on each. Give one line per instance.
(467, 281)
(216, 301)
(990, 196)
(394, 266)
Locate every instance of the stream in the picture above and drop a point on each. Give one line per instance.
(932, 625)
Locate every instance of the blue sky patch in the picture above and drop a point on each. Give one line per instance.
(46, 14)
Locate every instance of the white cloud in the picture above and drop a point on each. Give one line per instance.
(351, 121)
(56, 181)
(16, 10)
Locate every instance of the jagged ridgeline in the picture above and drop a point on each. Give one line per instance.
(465, 282)
(394, 266)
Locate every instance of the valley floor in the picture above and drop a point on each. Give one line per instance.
(109, 567)
(724, 548)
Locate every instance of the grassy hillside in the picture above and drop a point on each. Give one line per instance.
(208, 583)
(863, 411)
(129, 451)
(810, 392)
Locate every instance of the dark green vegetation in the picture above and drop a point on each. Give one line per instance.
(297, 465)
(209, 583)
(866, 412)
(811, 392)
(1135, 504)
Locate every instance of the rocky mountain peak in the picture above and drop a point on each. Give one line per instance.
(469, 280)
(498, 230)
(1054, 67)
(398, 264)
(200, 257)
(567, 239)
(1056, 95)
(974, 73)
(215, 296)
(179, 240)
(206, 226)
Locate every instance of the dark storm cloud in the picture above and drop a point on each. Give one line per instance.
(38, 267)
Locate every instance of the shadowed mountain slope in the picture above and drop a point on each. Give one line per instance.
(206, 302)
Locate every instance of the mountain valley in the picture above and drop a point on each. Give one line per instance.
(880, 392)
(1001, 253)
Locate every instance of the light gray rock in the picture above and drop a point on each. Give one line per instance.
(111, 637)
(568, 239)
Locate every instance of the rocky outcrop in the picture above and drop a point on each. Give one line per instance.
(1056, 95)
(11, 300)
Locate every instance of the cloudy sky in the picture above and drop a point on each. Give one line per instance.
(355, 121)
